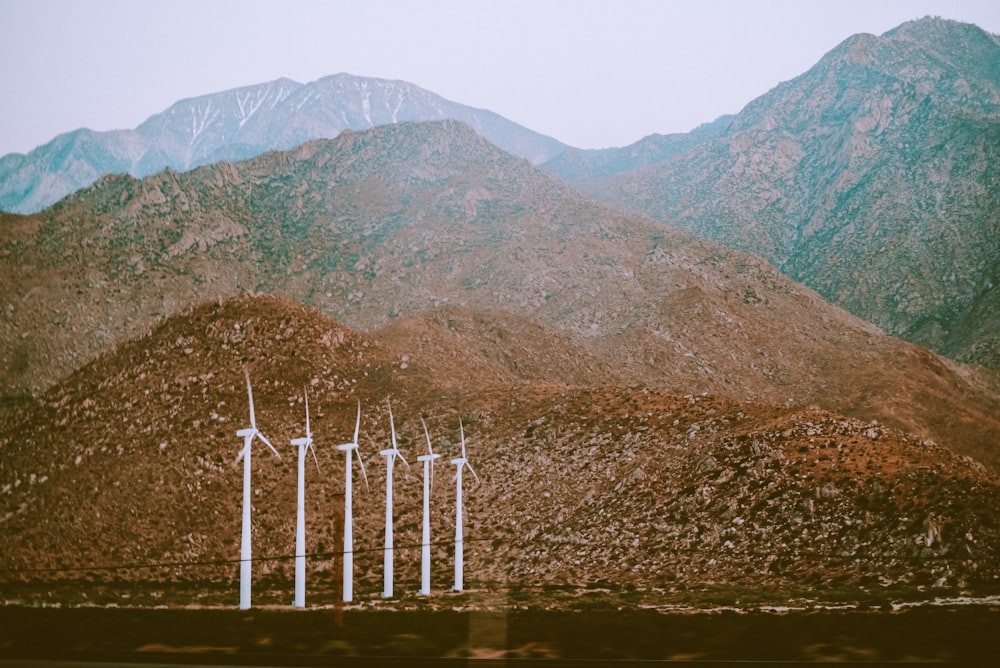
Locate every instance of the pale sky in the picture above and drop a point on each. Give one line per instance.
(590, 73)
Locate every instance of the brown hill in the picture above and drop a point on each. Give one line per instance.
(494, 348)
(130, 461)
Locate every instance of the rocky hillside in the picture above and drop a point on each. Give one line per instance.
(626, 486)
(874, 178)
(239, 124)
(402, 220)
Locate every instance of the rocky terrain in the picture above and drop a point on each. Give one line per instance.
(130, 461)
(238, 124)
(399, 221)
(880, 162)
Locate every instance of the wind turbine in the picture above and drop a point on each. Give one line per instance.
(246, 549)
(461, 463)
(390, 455)
(303, 444)
(425, 545)
(348, 448)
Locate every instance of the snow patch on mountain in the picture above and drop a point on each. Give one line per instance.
(241, 123)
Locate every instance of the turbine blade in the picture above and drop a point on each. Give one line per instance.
(253, 419)
(392, 426)
(363, 474)
(268, 444)
(474, 474)
(239, 457)
(308, 430)
(357, 425)
(429, 450)
(461, 430)
(310, 446)
(400, 456)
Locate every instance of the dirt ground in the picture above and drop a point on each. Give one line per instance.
(332, 634)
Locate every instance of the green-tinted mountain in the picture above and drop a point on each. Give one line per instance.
(874, 178)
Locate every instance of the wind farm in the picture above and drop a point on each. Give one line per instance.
(305, 446)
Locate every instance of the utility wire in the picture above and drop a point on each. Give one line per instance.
(223, 562)
(407, 546)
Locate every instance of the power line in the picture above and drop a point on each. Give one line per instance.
(408, 546)
(221, 562)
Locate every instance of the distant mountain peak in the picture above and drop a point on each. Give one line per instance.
(241, 123)
(931, 29)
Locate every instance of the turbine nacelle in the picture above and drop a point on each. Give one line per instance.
(248, 434)
(307, 443)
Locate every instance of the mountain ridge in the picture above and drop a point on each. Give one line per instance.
(878, 162)
(240, 123)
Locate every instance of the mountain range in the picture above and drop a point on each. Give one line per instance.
(879, 161)
(695, 415)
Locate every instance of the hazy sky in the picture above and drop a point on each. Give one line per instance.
(589, 73)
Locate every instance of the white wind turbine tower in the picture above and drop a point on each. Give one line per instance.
(390, 455)
(246, 549)
(461, 463)
(348, 448)
(303, 444)
(425, 544)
